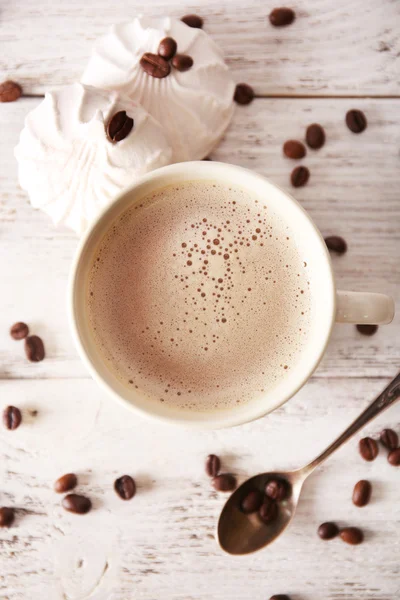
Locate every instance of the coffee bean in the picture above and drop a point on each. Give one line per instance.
(277, 489)
(125, 487)
(294, 149)
(356, 121)
(65, 483)
(193, 21)
(389, 439)
(34, 348)
(299, 176)
(362, 493)
(328, 530)
(280, 17)
(155, 65)
(268, 511)
(167, 48)
(315, 136)
(6, 516)
(19, 331)
(224, 482)
(352, 535)
(182, 62)
(394, 457)
(252, 502)
(367, 329)
(119, 126)
(10, 91)
(76, 504)
(213, 465)
(279, 597)
(12, 417)
(368, 448)
(335, 243)
(244, 94)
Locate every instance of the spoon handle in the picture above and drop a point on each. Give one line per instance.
(383, 401)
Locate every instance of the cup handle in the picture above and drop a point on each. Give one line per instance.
(364, 307)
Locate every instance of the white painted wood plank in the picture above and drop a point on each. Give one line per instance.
(333, 48)
(160, 545)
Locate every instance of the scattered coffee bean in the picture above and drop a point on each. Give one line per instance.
(125, 487)
(12, 417)
(65, 483)
(352, 535)
(394, 457)
(335, 243)
(315, 136)
(367, 329)
(19, 331)
(294, 149)
(213, 465)
(362, 493)
(277, 489)
(269, 510)
(328, 530)
(167, 48)
(244, 94)
(280, 17)
(76, 504)
(356, 121)
(280, 597)
(10, 91)
(389, 439)
(6, 516)
(224, 482)
(252, 502)
(34, 348)
(119, 126)
(368, 448)
(299, 176)
(155, 65)
(193, 21)
(182, 62)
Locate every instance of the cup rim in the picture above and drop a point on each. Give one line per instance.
(224, 418)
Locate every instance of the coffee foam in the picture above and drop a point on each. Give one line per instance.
(199, 298)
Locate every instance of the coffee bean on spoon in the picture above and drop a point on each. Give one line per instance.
(34, 348)
(244, 94)
(155, 65)
(356, 121)
(294, 149)
(394, 457)
(367, 329)
(299, 176)
(352, 535)
(315, 136)
(65, 483)
(251, 502)
(193, 21)
(389, 439)
(213, 465)
(328, 530)
(182, 62)
(280, 17)
(368, 449)
(268, 511)
(77, 504)
(167, 48)
(12, 417)
(277, 489)
(335, 243)
(224, 482)
(6, 516)
(362, 493)
(19, 331)
(125, 487)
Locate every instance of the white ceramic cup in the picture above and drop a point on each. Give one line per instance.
(329, 305)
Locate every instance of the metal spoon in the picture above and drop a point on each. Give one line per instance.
(239, 533)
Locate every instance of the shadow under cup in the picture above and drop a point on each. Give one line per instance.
(309, 242)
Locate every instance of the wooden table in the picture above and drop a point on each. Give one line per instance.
(336, 56)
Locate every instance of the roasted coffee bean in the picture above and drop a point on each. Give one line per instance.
(125, 487)
(394, 457)
(213, 465)
(65, 483)
(362, 493)
(155, 65)
(269, 510)
(356, 121)
(76, 504)
(167, 48)
(389, 439)
(12, 417)
(328, 530)
(280, 17)
(244, 94)
(352, 535)
(252, 502)
(182, 62)
(224, 482)
(277, 489)
(315, 136)
(119, 126)
(367, 329)
(19, 331)
(280, 597)
(193, 21)
(294, 149)
(299, 176)
(6, 516)
(34, 348)
(335, 243)
(10, 91)
(368, 448)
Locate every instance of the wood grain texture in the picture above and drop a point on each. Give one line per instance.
(333, 48)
